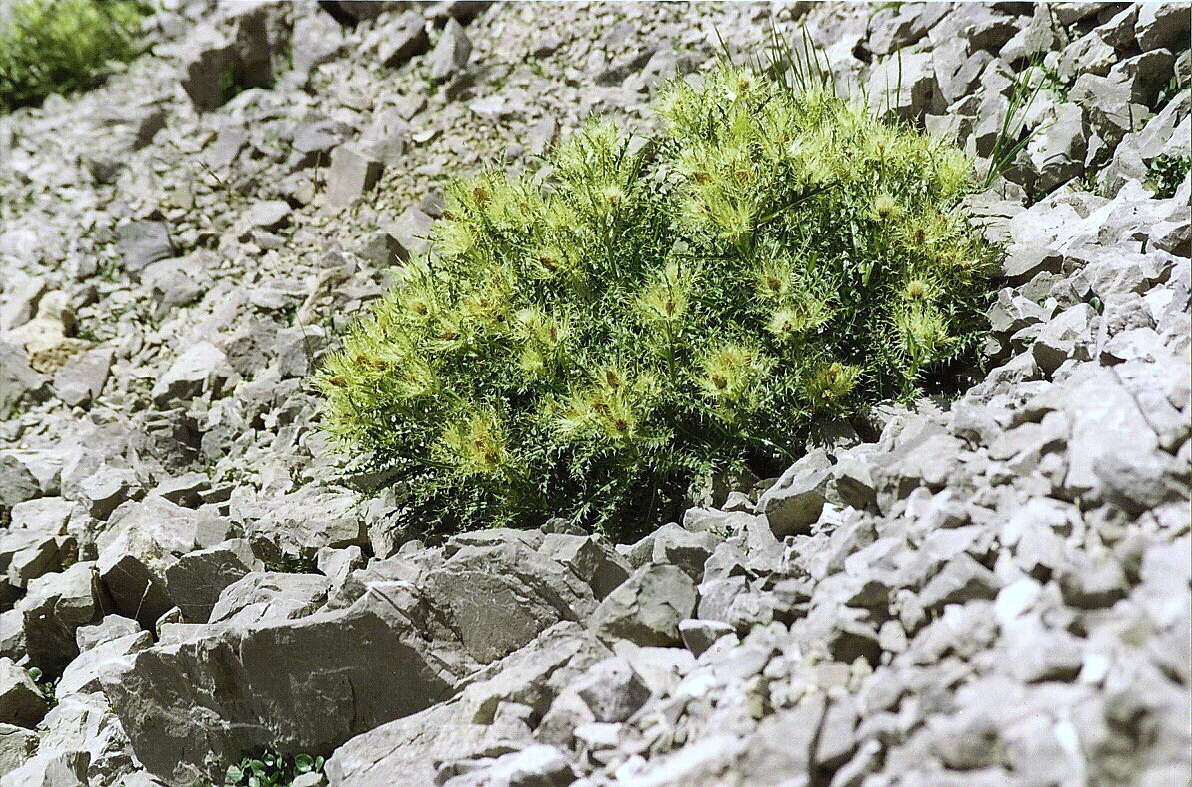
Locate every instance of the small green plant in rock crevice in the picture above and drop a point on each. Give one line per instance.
(58, 46)
(1166, 173)
(290, 563)
(594, 346)
(46, 685)
(270, 768)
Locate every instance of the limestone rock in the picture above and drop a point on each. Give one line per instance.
(229, 689)
(1162, 26)
(201, 368)
(195, 583)
(351, 175)
(647, 608)
(144, 541)
(906, 85)
(55, 606)
(18, 380)
(451, 53)
(17, 746)
(401, 39)
(796, 500)
(21, 703)
(83, 377)
(143, 242)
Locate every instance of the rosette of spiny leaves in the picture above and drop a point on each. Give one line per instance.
(592, 344)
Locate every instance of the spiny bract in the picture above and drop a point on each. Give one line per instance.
(650, 314)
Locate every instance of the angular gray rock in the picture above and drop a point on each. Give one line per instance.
(451, 53)
(82, 726)
(795, 501)
(202, 368)
(677, 546)
(19, 382)
(260, 597)
(314, 141)
(143, 242)
(49, 768)
(538, 764)
(195, 583)
(401, 39)
(961, 579)
(81, 676)
(471, 724)
(21, 702)
(193, 705)
(647, 607)
(209, 57)
(316, 39)
(380, 650)
(1162, 25)
(612, 690)
(110, 628)
(903, 27)
(304, 521)
(17, 483)
(591, 558)
(699, 635)
(298, 350)
(906, 85)
(501, 595)
(17, 746)
(55, 606)
(351, 175)
(1058, 151)
(1108, 105)
(83, 377)
(268, 215)
(1063, 338)
(414, 745)
(922, 456)
(105, 489)
(20, 300)
(143, 542)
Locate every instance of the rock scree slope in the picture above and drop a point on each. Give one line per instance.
(983, 590)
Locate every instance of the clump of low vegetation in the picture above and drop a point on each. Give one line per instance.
(269, 768)
(1166, 173)
(291, 563)
(595, 345)
(46, 685)
(59, 46)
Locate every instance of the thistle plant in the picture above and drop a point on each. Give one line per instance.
(596, 345)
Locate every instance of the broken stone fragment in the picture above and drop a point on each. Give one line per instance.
(81, 380)
(55, 606)
(647, 608)
(19, 382)
(451, 53)
(46, 337)
(795, 501)
(203, 367)
(143, 242)
(401, 39)
(21, 702)
(352, 174)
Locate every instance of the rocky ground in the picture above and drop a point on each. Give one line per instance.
(985, 590)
